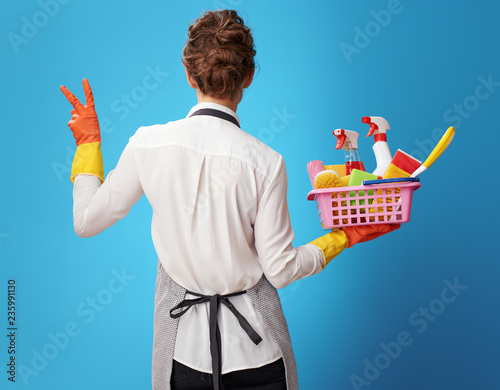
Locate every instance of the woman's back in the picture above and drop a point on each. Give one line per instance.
(205, 178)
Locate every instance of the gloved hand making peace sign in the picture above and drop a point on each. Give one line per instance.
(85, 128)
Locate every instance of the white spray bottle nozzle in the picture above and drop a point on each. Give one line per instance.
(378, 125)
(346, 139)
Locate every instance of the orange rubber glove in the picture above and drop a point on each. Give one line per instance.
(357, 234)
(331, 244)
(83, 123)
(85, 127)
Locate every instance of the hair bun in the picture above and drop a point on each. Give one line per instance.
(219, 53)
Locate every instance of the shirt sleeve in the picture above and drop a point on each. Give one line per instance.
(281, 262)
(97, 207)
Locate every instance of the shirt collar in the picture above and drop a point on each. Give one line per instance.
(214, 106)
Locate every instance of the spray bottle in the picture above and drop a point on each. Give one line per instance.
(379, 127)
(348, 140)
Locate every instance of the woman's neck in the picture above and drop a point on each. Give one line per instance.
(230, 103)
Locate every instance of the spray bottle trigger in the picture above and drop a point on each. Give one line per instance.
(341, 137)
(373, 125)
(340, 142)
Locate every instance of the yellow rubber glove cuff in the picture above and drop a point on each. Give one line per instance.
(88, 161)
(331, 244)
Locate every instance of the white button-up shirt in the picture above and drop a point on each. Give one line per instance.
(220, 221)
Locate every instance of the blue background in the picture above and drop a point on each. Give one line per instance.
(416, 63)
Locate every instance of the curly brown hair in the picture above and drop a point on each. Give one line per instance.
(219, 53)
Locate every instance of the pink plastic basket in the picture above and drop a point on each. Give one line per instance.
(364, 205)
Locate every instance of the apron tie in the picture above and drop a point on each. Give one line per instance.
(215, 337)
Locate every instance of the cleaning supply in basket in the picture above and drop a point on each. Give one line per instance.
(339, 168)
(356, 179)
(402, 165)
(348, 141)
(327, 179)
(437, 151)
(378, 128)
(344, 180)
(313, 168)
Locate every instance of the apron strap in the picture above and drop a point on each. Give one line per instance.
(215, 337)
(216, 113)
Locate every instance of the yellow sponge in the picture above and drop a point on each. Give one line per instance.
(339, 168)
(344, 180)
